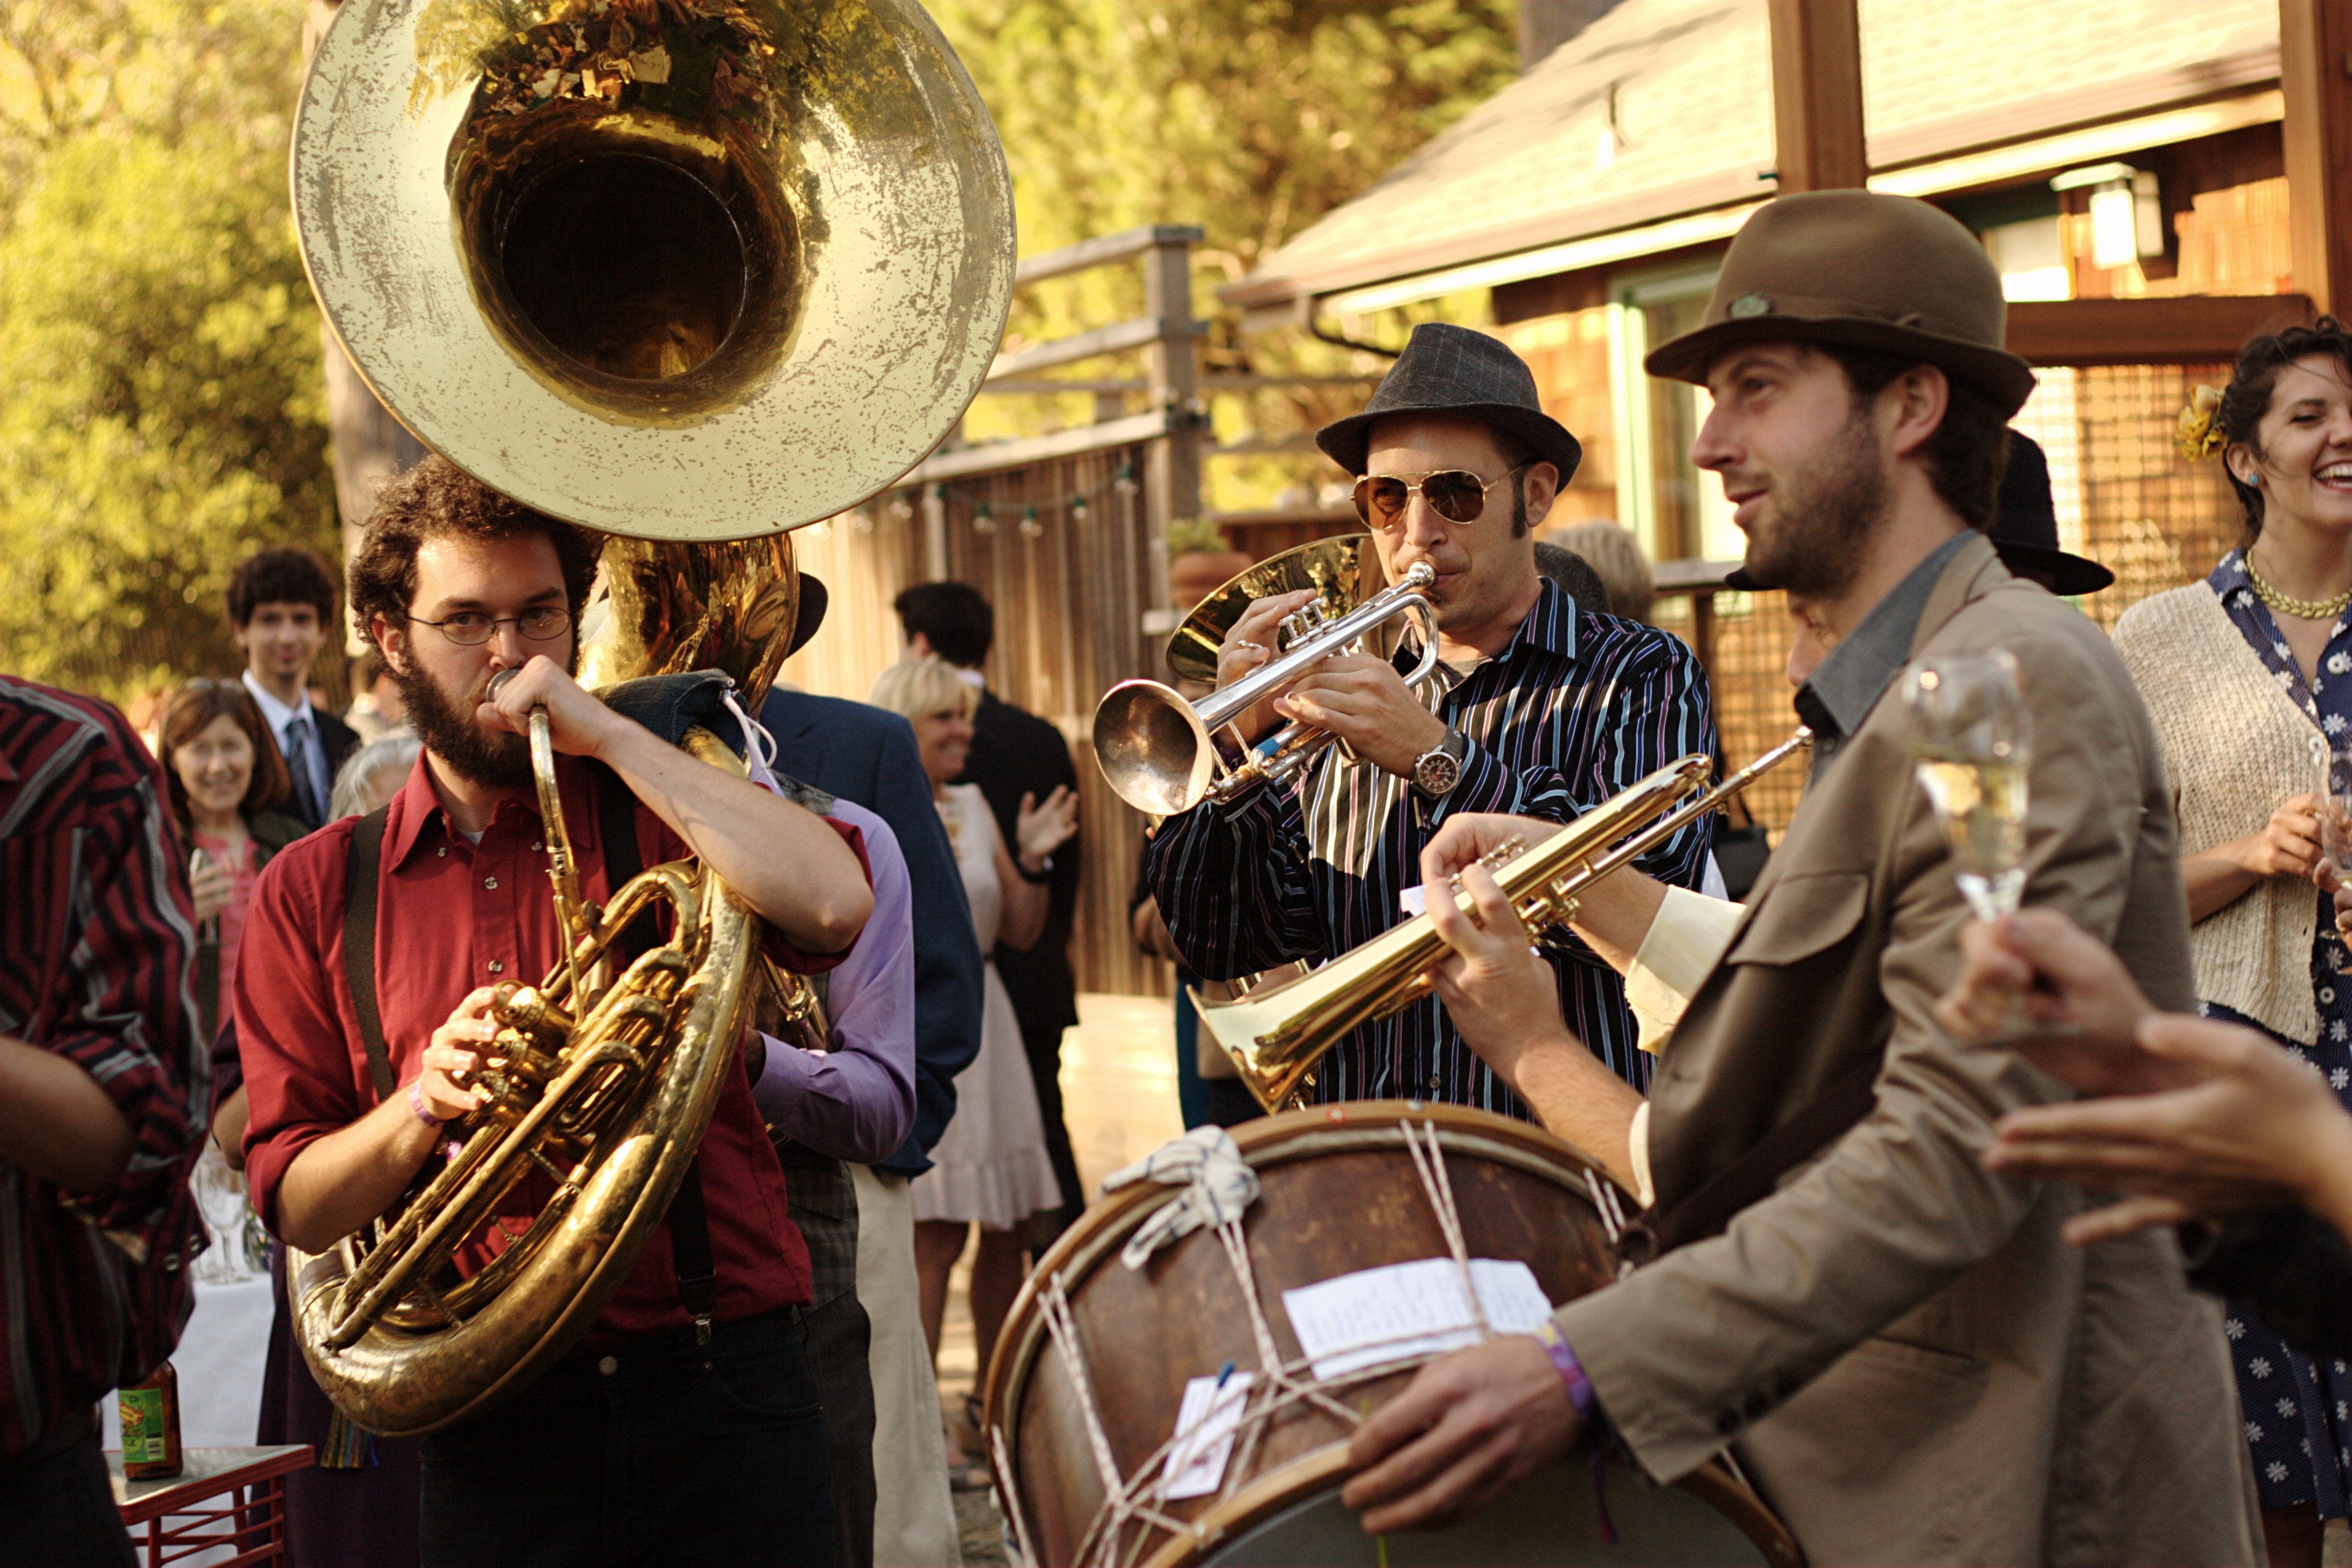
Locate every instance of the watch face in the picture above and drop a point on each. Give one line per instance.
(1435, 773)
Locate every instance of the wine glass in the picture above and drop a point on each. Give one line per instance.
(1972, 744)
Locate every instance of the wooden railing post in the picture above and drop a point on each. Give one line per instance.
(1172, 471)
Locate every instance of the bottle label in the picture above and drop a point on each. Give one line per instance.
(142, 1425)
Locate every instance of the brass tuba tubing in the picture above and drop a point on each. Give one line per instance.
(1276, 1035)
(1158, 750)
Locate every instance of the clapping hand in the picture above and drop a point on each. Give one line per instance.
(1043, 828)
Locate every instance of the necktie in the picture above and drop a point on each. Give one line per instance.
(299, 750)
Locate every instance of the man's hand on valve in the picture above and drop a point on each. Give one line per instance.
(455, 1056)
(1250, 643)
(1363, 700)
(1502, 997)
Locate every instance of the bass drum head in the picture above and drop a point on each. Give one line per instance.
(1547, 1521)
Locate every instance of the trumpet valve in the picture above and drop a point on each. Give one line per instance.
(1503, 854)
(1302, 623)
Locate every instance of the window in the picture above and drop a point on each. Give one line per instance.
(1677, 511)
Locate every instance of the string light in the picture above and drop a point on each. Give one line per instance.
(1079, 512)
(980, 521)
(1030, 527)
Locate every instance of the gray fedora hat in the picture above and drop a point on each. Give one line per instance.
(1865, 270)
(1452, 370)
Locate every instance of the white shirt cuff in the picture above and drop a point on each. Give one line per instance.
(1683, 944)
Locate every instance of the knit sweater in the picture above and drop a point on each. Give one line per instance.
(2236, 746)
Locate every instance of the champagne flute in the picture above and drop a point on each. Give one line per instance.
(1972, 745)
(2335, 826)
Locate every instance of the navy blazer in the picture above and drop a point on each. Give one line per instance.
(868, 755)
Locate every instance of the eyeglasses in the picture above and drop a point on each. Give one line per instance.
(1455, 494)
(471, 629)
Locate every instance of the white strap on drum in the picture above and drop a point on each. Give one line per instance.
(1219, 1187)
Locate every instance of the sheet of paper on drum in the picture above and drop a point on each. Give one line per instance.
(1379, 1315)
(1205, 1425)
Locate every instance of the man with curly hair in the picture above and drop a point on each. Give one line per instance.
(685, 1426)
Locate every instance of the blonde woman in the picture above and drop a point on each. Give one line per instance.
(989, 1168)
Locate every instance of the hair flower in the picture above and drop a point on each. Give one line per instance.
(2197, 436)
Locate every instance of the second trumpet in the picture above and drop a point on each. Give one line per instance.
(1163, 755)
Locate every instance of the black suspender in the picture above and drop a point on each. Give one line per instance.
(359, 943)
(616, 813)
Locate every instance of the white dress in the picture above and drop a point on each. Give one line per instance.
(991, 1164)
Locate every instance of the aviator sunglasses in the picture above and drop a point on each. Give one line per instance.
(1456, 495)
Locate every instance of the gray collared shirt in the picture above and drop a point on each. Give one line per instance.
(1848, 684)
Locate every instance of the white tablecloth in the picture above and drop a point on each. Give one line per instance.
(222, 1352)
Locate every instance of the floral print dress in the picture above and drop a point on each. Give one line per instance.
(2297, 1411)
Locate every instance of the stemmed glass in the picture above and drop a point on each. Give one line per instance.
(1972, 744)
(2335, 825)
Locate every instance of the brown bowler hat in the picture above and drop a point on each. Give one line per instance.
(1865, 270)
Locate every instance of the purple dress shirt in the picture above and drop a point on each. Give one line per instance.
(856, 1101)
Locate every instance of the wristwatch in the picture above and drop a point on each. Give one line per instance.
(1436, 771)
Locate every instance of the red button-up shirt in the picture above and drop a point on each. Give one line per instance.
(452, 915)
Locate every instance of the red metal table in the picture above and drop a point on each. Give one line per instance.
(224, 1497)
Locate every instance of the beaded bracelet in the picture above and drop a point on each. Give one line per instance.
(416, 1104)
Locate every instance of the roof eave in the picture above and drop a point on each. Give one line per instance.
(2034, 118)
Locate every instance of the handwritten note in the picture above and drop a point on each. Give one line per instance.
(1205, 1425)
(1379, 1315)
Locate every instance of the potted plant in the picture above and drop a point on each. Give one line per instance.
(1200, 561)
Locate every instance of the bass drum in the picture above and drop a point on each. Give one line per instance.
(1091, 1371)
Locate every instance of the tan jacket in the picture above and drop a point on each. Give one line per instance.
(2235, 747)
(1913, 1365)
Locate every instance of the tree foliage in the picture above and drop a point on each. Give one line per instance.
(161, 406)
(1249, 118)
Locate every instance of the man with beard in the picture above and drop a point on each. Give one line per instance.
(1908, 1360)
(686, 1427)
(1537, 707)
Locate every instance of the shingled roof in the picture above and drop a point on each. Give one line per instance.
(1664, 109)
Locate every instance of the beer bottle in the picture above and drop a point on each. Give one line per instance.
(151, 1426)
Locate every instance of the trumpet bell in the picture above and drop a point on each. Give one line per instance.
(1155, 752)
(690, 269)
(1344, 571)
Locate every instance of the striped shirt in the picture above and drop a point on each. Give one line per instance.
(1576, 707)
(96, 934)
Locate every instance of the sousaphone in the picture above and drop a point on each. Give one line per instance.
(691, 273)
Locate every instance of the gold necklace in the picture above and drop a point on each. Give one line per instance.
(2301, 609)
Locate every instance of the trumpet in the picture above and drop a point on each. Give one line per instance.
(1160, 753)
(1277, 1034)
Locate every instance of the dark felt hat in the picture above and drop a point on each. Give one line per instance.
(1452, 370)
(812, 612)
(2025, 530)
(1864, 271)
